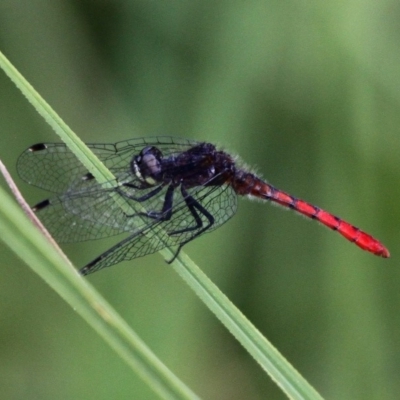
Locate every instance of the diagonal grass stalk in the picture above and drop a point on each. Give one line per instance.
(107, 323)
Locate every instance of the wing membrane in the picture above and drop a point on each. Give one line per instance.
(84, 210)
(53, 167)
(156, 234)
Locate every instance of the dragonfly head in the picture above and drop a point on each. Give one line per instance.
(147, 165)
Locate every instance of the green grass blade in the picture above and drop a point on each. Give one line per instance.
(22, 237)
(87, 158)
(286, 377)
(279, 369)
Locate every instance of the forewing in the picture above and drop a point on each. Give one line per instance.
(53, 167)
(88, 211)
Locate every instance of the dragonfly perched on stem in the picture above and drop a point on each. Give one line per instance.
(167, 192)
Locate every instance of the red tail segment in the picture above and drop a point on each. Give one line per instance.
(249, 184)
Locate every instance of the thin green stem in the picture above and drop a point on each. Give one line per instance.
(288, 379)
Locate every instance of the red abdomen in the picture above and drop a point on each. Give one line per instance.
(249, 184)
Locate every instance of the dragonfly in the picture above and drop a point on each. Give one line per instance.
(166, 192)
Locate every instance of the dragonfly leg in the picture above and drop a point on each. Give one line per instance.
(192, 205)
(139, 199)
(166, 212)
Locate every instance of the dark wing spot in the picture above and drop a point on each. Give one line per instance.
(87, 177)
(87, 269)
(41, 205)
(38, 147)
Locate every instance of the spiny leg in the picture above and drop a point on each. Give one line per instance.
(166, 211)
(140, 199)
(192, 205)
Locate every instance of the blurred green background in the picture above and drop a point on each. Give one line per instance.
(309, 94)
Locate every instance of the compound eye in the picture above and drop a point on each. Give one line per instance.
(152, 150)
(147, 165)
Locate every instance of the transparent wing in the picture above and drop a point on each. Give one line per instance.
(87, 211)
(53, 167)
(220, 201)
